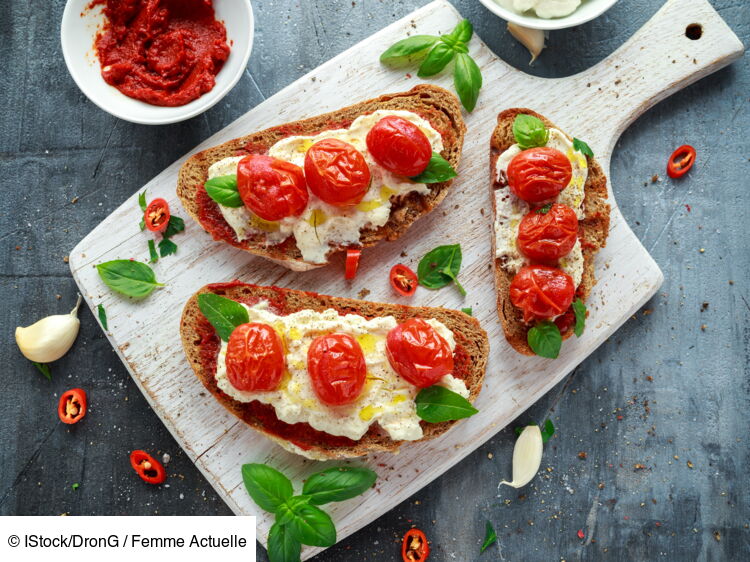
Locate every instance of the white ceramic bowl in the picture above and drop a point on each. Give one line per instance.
(588, 10)
(78, 30)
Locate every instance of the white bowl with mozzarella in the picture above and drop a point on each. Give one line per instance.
(582, 11)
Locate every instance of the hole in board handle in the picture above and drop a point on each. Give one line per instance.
(694, 31)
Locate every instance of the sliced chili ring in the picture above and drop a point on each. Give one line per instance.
(352, 262)
(414, 548)
(72, 406)
(681, 161)
(403, 280)
(156, 217)
(148, 468)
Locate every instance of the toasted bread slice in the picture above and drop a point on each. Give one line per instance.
(440, 107)
(593, 229)
(202, 344)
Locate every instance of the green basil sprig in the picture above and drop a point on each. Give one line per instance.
(102, 316)
(490, 536)
(582, 147)
(129, 277)
(436, 52)
(580, 311)
(440, 267)
(437, 404)
(545, 339)
(223, 190)
(224, 315)
(298, 519)
(438, 169)
(529, 131)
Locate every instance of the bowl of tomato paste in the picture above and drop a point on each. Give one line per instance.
(156, 61)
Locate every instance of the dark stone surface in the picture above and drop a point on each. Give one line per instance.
(669, 392)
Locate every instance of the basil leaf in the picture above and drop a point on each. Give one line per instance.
(152, 252)
(544, 210)
(142, 201)
(468, 311)
(267, 486)
(174, 226)
(311, 525)
(129, 277)
(408, 49)
(548, 430)
(224, 315)
(440, 266)
(437, 59)
(102, 316)
(489, 536)
(438, 404)
(282, 547)
(467, 78)
(580, 310)
(582, 147)
(438, 170)
(44, 369)
(462, 32)
(338, 484)
(286, 510)
(529, 131)
(167, 247)
(545, 340)
(223, 190)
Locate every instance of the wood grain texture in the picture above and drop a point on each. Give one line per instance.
(622, 86)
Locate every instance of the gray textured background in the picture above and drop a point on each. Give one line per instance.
(668, 392)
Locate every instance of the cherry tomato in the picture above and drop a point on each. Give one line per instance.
(539, 174)
(255, 357)
(352, 263)
(148, 468)
(403, 280)
(541, 292)
(337, 172)
(546, 237)
(271, 188)
(337, 368)
(681, 161)
(399, 146)
(418, 353)
(566, 321)
(156, 216)
(414, 547)
(72, 406)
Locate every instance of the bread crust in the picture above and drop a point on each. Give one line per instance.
(439, 106)
(593, 229)
(199, 341)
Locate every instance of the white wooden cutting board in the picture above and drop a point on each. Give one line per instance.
(596, 105)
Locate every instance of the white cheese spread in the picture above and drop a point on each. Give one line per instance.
(386, 399)
(321, 226)
(543, 8)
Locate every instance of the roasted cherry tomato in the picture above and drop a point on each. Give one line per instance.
(541, 292)
(156, 216)
(539, 174)
(337, 172)
(415, 547)
(148, 468)
(681, 161)
(566, 321)
(352, 262)
(255, 357)
(271, 188)
(337, 368)
(399, 146)
(403, 280)
(418, 353)
(72, 406)
(547, 236)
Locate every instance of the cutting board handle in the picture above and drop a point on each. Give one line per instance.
(683, 42)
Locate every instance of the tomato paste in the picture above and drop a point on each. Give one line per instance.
(162, 52)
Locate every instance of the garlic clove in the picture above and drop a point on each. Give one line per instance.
(50, 338)
(532, 39)
(527, 456)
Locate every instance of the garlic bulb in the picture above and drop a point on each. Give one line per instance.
(50, 338)
(532, 39)
(527, 456)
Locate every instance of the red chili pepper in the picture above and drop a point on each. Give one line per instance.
(681, 161)
(148, 468)
(415, 547)
(403, 280)
(352, 263)
(581, 534)
(156, 217)
(72, 405)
